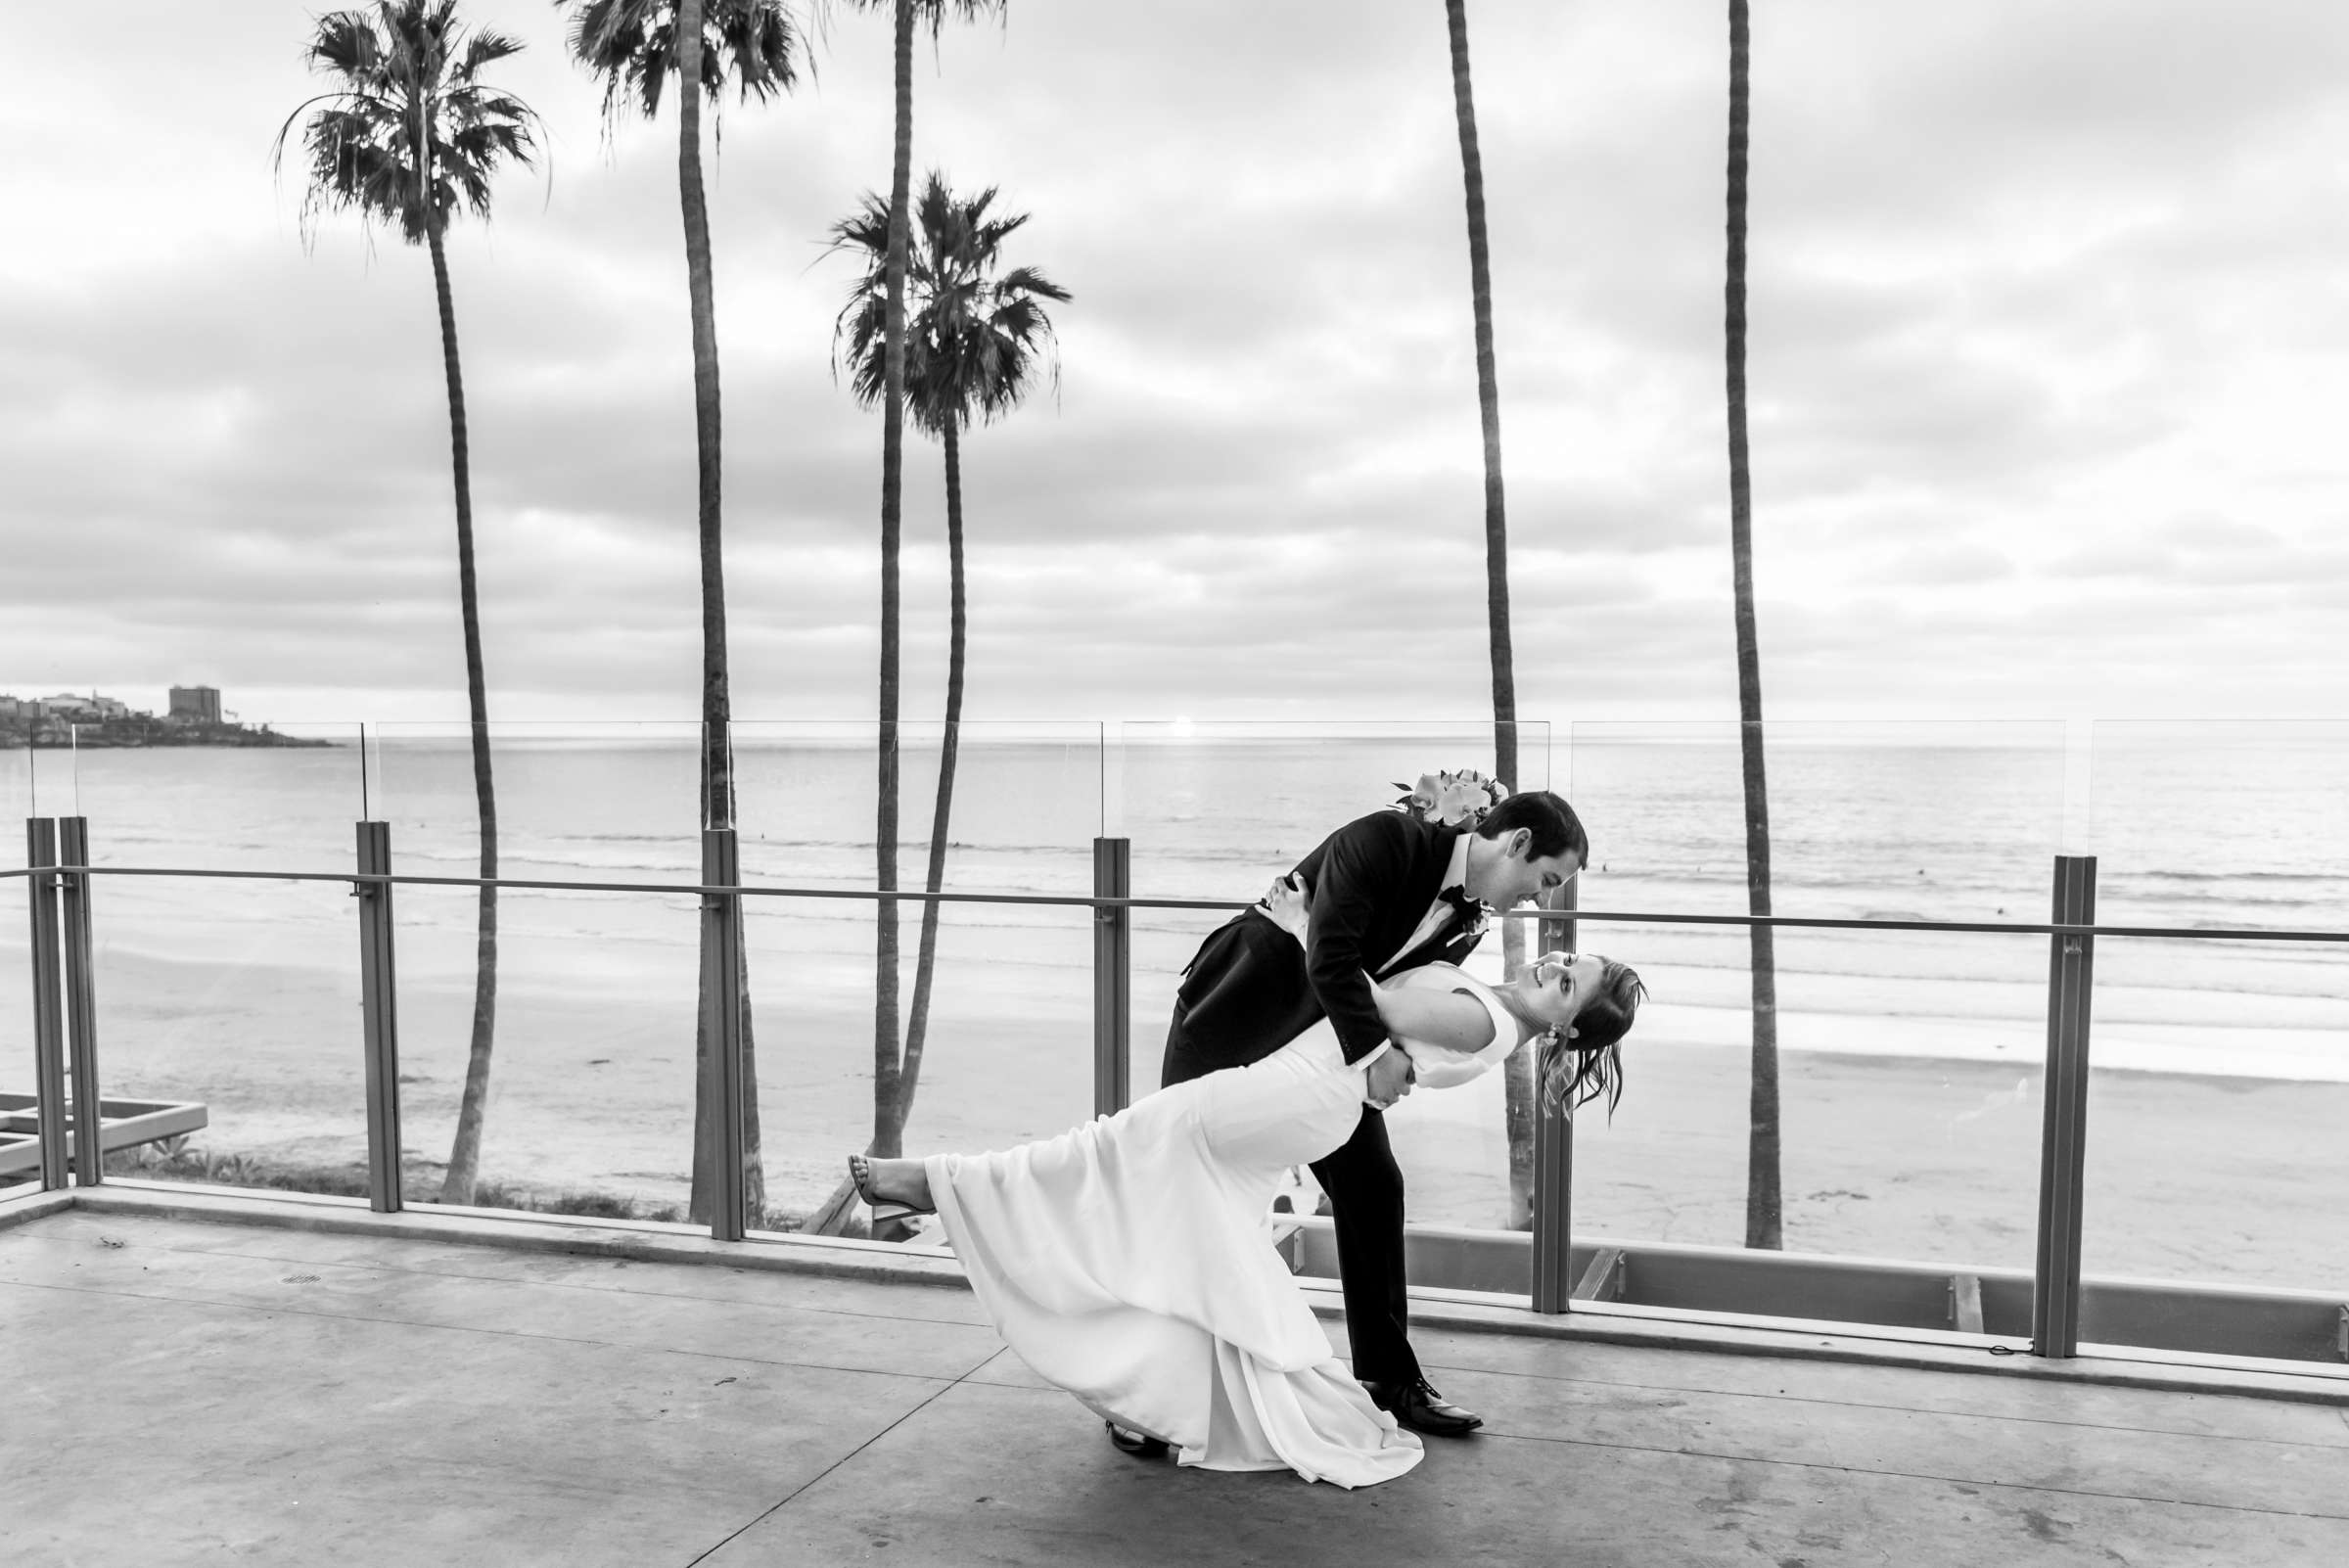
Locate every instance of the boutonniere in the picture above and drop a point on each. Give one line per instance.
(1448, 799)
(1475, 915)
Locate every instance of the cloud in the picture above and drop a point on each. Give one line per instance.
(2045, 352)
(1951, 564)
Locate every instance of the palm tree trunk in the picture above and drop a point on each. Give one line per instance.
(885, 1142)
(926, 960)
(700, 285)
(718, 763)
(1488, 407)
(465, 1149)
(754, 1158)
(1763, 1205)
(1517, 1078)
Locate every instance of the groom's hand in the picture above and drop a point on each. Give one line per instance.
(1387, 1080)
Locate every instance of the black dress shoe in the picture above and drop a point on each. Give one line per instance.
(1142, 1445)
(1423, 1409)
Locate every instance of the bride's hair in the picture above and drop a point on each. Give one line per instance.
(1575, 1072)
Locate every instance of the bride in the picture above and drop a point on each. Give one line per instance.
(1130, 1260)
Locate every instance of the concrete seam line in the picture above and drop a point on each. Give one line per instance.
(794, 1492)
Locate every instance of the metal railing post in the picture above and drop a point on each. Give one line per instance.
(82, 1001)
(48, 1025)
(2063, 1139)
(721, 1028)
(379, 1003)
(1113, 978)
(1553, 1158)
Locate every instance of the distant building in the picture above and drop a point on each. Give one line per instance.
(18, 710)
(73, 707)
(195, 704)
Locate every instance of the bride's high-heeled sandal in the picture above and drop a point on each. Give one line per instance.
(1142, 1445)
(860, 1175)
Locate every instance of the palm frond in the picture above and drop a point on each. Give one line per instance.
(632, 47)
(484, 48)
(411, 134)
(976, 340)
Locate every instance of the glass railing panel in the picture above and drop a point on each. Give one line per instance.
(227, 1008)
(1024, 803)
(228, 1013)
(591, 1076)
(2220, 1070)
(282, 803)
(1007, 1046)
(579, 801)
(18, 760)
(1908, 1062)
(19, 1153)
(1007, 1039)
(593, 1073)
(1216, 810)
(1204, 801)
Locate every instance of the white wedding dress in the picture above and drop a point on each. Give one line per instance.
(1131, 1261)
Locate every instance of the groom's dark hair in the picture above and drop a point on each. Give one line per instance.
(1551, 821)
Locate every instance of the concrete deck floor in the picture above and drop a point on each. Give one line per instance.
(190, 1392)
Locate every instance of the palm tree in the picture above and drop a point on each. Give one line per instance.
(1518, 1076)
(409, 134)
(976, 342)
(904, 14)
(1762, 1194)
(633, 47)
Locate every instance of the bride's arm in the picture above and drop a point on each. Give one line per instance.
(1285, 903)
(1452, 1019)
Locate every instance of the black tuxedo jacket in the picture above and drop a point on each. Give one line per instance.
(1251, 990)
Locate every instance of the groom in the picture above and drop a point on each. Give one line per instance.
(1388, 892)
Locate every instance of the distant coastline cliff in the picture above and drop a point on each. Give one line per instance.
(195, 719)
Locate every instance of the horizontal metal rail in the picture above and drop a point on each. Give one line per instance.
(1994, 927)
(693, 889)
(1086, 900)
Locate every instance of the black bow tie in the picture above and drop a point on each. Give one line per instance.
(1469, 910)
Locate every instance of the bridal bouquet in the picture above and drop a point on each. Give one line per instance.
(1451, 800)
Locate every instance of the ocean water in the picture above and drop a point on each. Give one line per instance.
(2207, 827)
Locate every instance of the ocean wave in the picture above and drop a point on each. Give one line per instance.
(2163, 874)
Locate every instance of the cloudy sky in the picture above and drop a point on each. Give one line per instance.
(2050, 347)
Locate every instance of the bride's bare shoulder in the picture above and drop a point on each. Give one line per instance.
(1438, 1004)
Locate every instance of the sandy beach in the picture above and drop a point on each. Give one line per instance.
(2232, 1179)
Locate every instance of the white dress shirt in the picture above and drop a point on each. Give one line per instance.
(1439, 915)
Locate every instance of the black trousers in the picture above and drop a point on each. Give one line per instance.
(1366, 1209)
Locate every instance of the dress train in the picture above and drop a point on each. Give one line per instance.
(1130, 1260)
